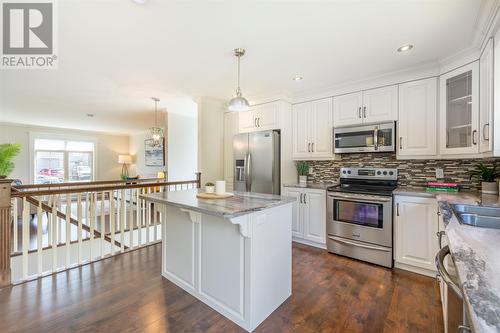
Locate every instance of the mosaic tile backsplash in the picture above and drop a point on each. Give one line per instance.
(413, 173)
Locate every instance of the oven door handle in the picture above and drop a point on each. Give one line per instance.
(366, 246)
(359, 197)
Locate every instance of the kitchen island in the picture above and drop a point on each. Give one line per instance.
(233, 254)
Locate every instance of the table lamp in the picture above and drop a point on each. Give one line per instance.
(124, 160)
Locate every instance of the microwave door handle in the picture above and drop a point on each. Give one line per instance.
(375, 137)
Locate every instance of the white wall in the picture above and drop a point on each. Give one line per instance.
(182, 145)
(108, 149)
(211, 139)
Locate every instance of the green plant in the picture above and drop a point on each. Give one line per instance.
(302, 168)
(7, 152)
(484, 173)
(209, 184)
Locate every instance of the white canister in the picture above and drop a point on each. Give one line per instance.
(220, 187)
(209, 189)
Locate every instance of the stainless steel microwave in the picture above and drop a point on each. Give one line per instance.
(367, 138)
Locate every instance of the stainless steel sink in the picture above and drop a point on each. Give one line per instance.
(478, 216)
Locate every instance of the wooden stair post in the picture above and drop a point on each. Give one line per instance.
(5, 235)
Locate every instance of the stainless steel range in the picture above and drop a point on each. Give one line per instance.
(359, 214)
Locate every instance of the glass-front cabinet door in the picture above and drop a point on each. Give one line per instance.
(459, 111)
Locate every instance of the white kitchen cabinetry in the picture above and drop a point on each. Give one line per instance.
(365, 107)
(230, 129)
(417, 124)
(309, 215)
(459, 110)
(486, 98)
(415, 228)
(312, 130)
(260, 118)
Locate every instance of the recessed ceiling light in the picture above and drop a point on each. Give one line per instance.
(405, 48)
(297, 78)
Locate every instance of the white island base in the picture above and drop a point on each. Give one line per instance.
(240, 266)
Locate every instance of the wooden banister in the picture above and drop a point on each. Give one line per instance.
(5, 236)
(98, 182)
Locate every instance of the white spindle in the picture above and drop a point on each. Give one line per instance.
(123, 219)
(131, 218)
(54, 233)
(15, 221)
(138, 216)
(112, 221)
(49, 221)
(68, 230)
(103, 222)
(39, 240)
(79, 219)
(93, 200)
(154, 221)
(25, 236)
(148, 212)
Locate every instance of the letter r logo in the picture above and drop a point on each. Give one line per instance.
(27, 28)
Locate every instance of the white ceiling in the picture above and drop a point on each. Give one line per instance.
(115, 54)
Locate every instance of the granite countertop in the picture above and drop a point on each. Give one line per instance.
(241, 203)
(475, 252)
(313, 185)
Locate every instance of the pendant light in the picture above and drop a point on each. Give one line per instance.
(238, 103)
(156, 132)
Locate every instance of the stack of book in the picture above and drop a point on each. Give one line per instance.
(440, 186)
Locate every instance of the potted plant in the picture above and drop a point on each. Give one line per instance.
(302, 171)
(487, 175)
(209, 187)
(7, 152)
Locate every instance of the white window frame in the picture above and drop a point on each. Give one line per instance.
(57, 136)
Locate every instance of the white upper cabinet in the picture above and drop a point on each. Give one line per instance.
(347, 109)
(260, 118)
(312, 130)
(486, 98)
(459, 110)
(365, 107)
(417, 125)
(380, 105)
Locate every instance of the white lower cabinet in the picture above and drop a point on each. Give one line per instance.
(415, 226)
(309, 215)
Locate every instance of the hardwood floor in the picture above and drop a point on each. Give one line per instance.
(127, 294)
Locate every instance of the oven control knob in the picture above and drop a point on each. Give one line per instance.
(385, 173)
(349, 172)
(343, 172)
(391, 173)
(378, 172)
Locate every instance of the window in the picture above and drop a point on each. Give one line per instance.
(58, 161)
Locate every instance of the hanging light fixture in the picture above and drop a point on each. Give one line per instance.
(238, 103)
(156, 132)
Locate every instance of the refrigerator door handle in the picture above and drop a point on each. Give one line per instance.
(248, 180)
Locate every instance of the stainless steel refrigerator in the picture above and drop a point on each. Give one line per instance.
(257, 162)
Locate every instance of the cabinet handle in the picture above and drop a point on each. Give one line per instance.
(305, 198)
(254, 122)
(258, 122)
(397, 209)
(309, 147)
(364, 111)
(400, 142)
(474, 137)
(312, 147)
(486, 138)
(359, 112)
(300, 199)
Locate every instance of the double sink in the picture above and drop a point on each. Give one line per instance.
(477, 216)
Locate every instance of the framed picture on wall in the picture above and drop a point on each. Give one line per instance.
(154, 155)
